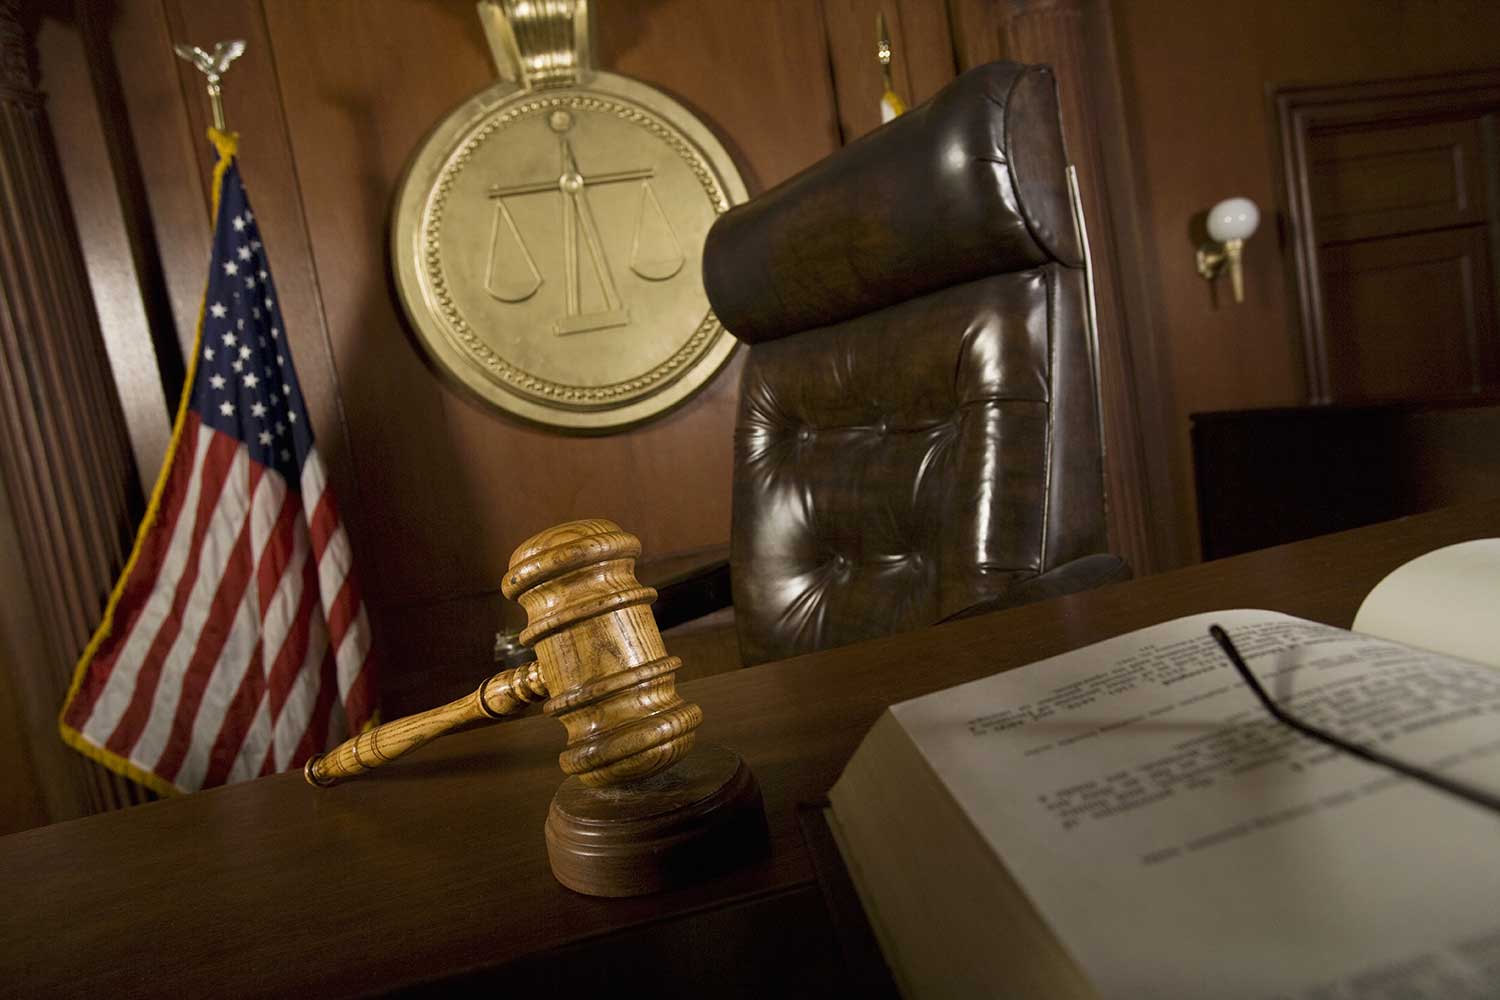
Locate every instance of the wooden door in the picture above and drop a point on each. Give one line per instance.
(1393, 206)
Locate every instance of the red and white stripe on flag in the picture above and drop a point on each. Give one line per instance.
(235, 643)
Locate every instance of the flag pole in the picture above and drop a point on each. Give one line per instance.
(891, 105)
(213, 66)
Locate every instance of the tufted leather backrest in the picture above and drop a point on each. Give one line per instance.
(918, 425)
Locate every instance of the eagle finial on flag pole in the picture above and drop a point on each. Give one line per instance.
(213, 67)
(236, 642)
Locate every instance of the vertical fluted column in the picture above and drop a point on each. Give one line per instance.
(64, 451)
(1056, 32)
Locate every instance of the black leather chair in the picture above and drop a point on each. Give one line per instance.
(918, 435)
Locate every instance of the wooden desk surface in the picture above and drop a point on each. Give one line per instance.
(437, 866)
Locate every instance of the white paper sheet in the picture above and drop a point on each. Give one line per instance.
(1447, 600)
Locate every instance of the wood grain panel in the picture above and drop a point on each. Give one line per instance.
(921, 64)
(1271, 476)
(71, 63)
(1377, 182)
(43, 778)
(978, 28)
(756, 72)
(1409, 316)
(132, 43)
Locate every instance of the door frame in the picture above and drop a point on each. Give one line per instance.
(1301, 109)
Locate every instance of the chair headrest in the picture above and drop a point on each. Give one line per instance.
(969, 184)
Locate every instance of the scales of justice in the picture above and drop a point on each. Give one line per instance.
(548, 235)
(511, 271)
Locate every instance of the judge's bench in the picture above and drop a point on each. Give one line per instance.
(432, 874)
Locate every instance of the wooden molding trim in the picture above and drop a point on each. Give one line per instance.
(64, 451)
(1299, 110)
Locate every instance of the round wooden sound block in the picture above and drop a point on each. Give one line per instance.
(701, 816)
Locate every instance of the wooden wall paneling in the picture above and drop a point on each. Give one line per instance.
(165, 195)
(1409, 316)
(64, 450)
(1407, 177)
(1133, 272)
(1197, 130)
(447, 489)
(927, 31)
(71, 60)
(756, 72)
(978, 31)
(921, 63)
(42, 780)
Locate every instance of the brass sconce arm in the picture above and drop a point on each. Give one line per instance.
(1213, 256)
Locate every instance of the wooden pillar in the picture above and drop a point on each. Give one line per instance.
(1076, 38)
(64, 450)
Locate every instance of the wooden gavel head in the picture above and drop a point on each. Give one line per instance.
(599, 653)
(617, 826)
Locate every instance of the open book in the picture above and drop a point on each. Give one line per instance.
(1126, 820)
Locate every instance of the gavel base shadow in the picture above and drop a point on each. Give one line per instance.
(643, 808)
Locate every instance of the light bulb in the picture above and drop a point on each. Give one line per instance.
(1233, 219)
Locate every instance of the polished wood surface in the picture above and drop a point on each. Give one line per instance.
(503, 694)
(701, 817)
(600, 664)
(643, 809)
(1265, 477)
(442, 867)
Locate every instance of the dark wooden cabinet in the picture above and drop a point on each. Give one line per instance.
(1269, 476)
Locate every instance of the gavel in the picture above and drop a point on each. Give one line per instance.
(642, 809)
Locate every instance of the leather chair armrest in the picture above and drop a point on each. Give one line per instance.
(688, 584)
(1069, 578)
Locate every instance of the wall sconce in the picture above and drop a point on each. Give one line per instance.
(1230, 223)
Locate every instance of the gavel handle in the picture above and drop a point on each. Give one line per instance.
(501, 695)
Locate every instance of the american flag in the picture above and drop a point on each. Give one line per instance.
(235, 643)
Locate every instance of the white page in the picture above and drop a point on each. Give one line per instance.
(1447, 601)
(1182, 843)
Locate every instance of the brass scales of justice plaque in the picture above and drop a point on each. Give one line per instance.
(548, 235)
